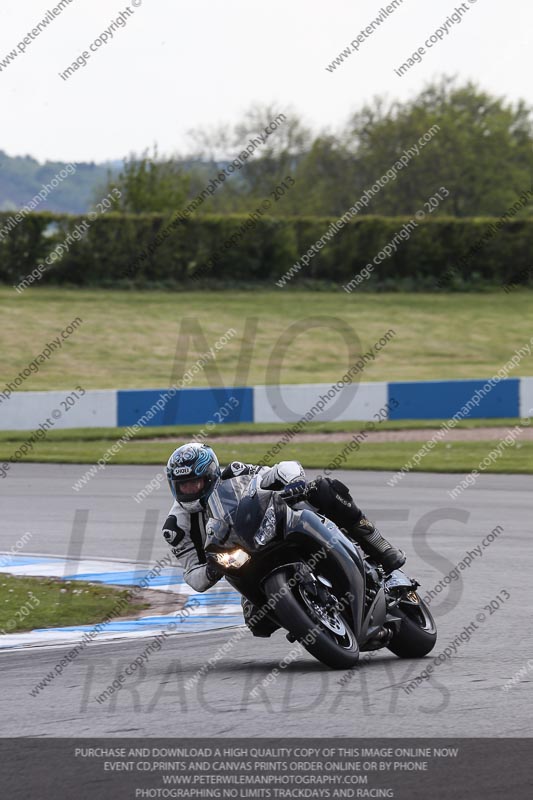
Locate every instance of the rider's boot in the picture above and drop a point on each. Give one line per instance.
(333, 499)
(376, 546)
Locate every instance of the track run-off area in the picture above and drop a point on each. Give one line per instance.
(481, 663)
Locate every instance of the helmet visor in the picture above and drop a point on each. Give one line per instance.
(188, 489)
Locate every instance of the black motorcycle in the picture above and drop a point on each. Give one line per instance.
(302, 573)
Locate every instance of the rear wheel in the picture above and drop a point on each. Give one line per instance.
(417, 634)
(324, 632)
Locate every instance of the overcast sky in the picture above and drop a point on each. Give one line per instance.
(182, 64)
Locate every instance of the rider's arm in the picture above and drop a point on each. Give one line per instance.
(194, 572)
(285, 475)
(238, 468)
(276, 477)
(282, 474)
(183, 532)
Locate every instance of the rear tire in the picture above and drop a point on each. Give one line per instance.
(294, 616)
(417, 634)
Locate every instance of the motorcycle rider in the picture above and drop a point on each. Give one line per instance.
(193, 472)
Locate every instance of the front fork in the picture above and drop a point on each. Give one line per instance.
(317, 586)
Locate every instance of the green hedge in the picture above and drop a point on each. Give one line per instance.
(151, 250)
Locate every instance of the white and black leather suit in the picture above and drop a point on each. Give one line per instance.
(184, 528)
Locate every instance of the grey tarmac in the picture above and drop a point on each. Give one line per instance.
(464, 696)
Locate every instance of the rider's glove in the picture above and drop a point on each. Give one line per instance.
(296, 490)
(212, 571)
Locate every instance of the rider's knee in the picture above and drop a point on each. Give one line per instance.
(333, 499)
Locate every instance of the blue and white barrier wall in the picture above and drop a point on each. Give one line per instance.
(26, 411)
(512, 397)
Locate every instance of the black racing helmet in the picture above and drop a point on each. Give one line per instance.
(192, 473)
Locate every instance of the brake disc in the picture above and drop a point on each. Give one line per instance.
(331, 619)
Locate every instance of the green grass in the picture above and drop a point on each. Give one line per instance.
(130, 339)
(54, 603)
(445, 457)
(451, 457)
(183, 432)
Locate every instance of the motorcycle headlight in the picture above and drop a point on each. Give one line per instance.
(234, 558)
(267, 529)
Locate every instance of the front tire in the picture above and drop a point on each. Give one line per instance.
(417, 634)
(335, 647)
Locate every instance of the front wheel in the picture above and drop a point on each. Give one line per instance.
(324, 633)
(417, 633)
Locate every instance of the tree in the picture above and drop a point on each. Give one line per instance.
(150, 184)
(326, 179)
(266, 167)
(482, 151)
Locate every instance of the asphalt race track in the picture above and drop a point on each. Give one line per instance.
(464, 695)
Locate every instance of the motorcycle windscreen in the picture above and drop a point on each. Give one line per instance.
(241, 504)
